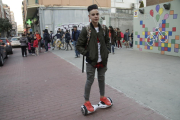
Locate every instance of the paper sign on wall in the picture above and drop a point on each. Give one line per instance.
(136, 14)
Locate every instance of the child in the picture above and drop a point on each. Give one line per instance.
(35, 45)
(32, 48)
(29, 48)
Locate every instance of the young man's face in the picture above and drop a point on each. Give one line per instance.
(94, 15)
(75, 29)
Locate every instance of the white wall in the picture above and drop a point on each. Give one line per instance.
(124, 4)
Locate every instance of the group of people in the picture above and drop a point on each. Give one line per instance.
(32, 42)
(117, 37)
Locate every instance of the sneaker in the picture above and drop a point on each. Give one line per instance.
(105, 100)
(89, 106)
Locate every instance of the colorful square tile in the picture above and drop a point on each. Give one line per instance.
(179, 46)
(162, 44)
(163, 21)
(146, 29)
(166, 41)
(146, 36)
(177, 37)
(149, 33)
(146, 43)
(148, 47)
(162, 48)
(159, 44)
(166, 49)
(156, 44)
(160, 25)
(166, 33)
(141, 22)
(174, 29)
(170, 33)
(169, 45)
(176, 50)
(163, 25)
(172, 41)
(160, 29)
(136, 42)
(163, 29)
(162, 52)
(159, 48)
(143, 26)
(175, 16)
(148, 40)
(154, 29)
(140, 43)
(176, 45)
(145, 47)
(143, 43)
(140, 39)
(172, 12)
(140, 49)
(136, 33)
(143, 33)
(169, 49)
(151, 47)
(138, 36)
(143, 39)
(138, 46)
(166, 44)
(146, 33)
(167, 25)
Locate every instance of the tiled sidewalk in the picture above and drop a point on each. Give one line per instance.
(49, 88)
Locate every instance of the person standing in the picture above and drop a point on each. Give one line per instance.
(38, 37)
(132, 38)
(115, 39)
(67, 40)
(46, 39)
(126, 38)
(118, 38)
(51, 37)
(24, 42)
(35, 45)
(75, 36)
(95, 48)
(112, 37)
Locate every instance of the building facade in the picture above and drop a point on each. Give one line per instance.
(14, 25)
(7, 13)
(1, 10)
(154, 2)
(54, 14)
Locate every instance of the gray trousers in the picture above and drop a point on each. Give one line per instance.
(90, 71)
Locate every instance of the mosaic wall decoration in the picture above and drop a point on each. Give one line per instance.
(159, 33)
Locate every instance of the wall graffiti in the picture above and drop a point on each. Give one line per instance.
(163, 35)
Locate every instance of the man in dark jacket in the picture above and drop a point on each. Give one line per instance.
(46, 39)
(75, 36)
(95, 48)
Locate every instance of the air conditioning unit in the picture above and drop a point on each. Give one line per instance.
(132, 5)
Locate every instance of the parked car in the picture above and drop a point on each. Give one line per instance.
(8, 45)
(15, 41)
(3, 53)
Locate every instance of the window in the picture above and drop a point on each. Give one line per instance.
(119, 0)
(37, 1)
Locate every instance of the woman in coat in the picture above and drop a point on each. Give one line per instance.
(112, 38)
(118, 38)
(24, 42)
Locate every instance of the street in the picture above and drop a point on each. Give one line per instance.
(48, 87)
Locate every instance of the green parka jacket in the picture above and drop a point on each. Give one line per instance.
(91, 51)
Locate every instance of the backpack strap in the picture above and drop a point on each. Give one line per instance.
(88, 29)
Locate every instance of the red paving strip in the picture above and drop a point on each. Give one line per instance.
(49, 88)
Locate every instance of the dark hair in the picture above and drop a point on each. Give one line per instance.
(67, 30)
(112, 30)
(74, 26)
(50, 31)
(23, 34)
(36, 30)
(46, 31)
(30, 32)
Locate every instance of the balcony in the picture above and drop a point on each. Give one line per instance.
(32, 6)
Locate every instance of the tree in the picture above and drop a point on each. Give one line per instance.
(141, 4)
(5, 25)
